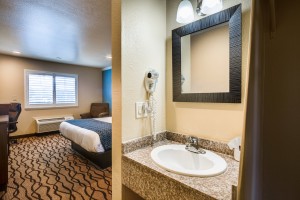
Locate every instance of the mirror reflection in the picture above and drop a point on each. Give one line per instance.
(205, 61)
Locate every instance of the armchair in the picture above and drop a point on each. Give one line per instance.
(97, 110)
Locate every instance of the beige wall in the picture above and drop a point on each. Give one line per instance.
(12, 88)
(143, 47)
(215, 121)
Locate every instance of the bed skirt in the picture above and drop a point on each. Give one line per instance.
(101, 159)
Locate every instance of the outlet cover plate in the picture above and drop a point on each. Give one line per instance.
(140, 110)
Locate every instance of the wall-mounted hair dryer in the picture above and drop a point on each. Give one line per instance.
(151, 77)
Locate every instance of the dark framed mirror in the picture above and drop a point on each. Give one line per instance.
(207, 58)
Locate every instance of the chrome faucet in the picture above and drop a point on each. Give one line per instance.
(193, 145)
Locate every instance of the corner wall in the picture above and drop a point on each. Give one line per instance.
(107, 87)
(12, 88)
(214, 121)
(116, 100)
(143, 47)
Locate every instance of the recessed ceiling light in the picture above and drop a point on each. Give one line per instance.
(16, 52)
(108, 57)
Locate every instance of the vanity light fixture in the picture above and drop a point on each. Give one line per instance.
(208, 7)
(109, 57)
(185, 12)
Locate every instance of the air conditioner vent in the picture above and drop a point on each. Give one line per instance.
(54, 119)
(50, 123)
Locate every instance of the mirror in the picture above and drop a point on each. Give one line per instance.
(207, 59)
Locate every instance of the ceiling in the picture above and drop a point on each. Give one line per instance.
(67, 31)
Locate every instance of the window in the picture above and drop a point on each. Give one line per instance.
(50, 89)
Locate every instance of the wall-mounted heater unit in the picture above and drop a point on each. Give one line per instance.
(50, 123)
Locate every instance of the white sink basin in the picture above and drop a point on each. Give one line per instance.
(175, 158)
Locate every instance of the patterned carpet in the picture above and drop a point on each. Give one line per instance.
(47, 168)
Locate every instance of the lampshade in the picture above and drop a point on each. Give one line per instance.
(185, 12)
(211, 6)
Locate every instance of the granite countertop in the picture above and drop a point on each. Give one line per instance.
(217, 187)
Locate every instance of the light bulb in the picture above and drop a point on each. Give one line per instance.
(211, 6)
(185, 12)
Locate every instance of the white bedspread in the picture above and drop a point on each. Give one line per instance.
(89, 140)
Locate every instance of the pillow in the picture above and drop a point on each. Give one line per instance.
(103, 114)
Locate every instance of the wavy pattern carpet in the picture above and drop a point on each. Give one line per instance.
(47, 168)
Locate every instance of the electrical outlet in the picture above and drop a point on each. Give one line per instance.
(140, 110)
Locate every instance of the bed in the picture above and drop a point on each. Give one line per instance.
(85, 135)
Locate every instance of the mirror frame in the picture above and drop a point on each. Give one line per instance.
(233, 16)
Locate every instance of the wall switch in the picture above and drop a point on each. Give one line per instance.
(140, 110)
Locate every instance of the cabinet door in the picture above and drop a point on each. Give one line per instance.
(7, 149)
(3, 154)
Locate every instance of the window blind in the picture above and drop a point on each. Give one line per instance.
(40, 89)
(49, 89)
(65, 90)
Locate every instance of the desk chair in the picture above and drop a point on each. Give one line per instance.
(14, 113)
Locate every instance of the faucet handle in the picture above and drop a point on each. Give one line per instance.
(192, 140)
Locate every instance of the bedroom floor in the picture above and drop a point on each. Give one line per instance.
(47, 168)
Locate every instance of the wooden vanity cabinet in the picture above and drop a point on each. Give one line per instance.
(4, 146)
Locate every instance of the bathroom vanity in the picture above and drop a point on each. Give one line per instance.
(141, 175)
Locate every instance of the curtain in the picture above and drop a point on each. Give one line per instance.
(250, 179)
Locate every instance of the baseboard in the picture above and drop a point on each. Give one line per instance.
(33, 134)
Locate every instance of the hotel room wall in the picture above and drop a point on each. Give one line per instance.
(214, 121)
(143, 48)
(12, 88)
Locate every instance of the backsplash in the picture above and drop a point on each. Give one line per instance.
(204, 143)
(142, 142)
